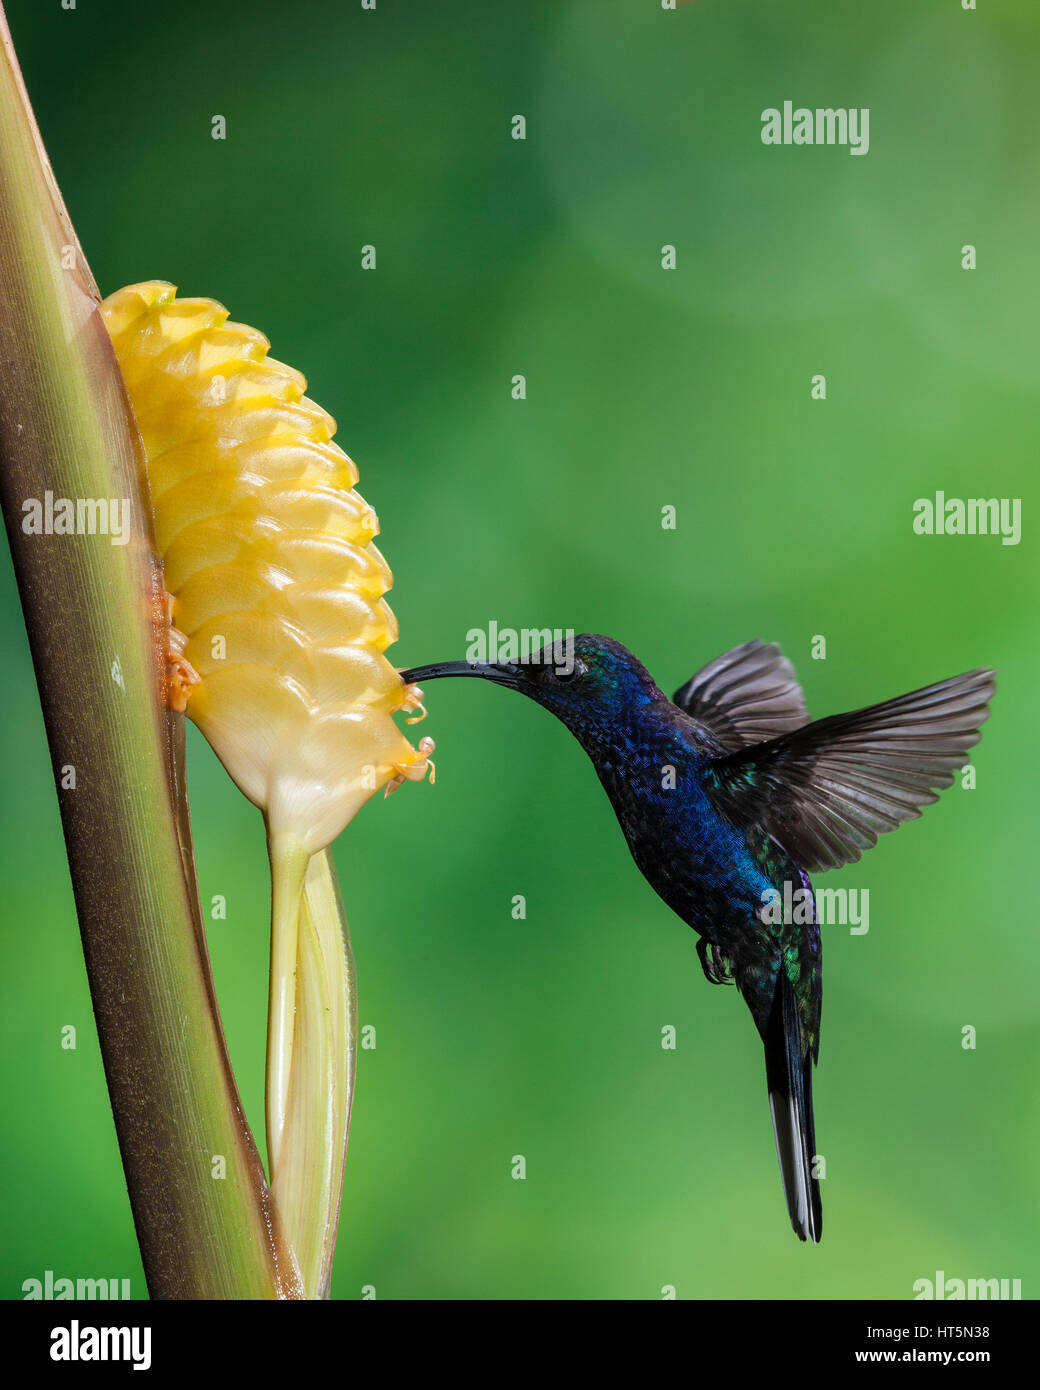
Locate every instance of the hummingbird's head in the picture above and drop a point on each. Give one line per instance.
(586, 681)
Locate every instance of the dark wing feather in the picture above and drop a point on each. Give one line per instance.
(825, 792)
(745, 696)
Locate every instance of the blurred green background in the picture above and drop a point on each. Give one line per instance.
(645, 388)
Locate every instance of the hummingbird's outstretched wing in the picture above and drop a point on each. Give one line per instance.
(745, 696)
(825, 792)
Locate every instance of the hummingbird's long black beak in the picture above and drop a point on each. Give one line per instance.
(500, 672)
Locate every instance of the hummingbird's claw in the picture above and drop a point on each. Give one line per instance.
(716, 968)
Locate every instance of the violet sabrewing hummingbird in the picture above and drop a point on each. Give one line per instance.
(727, 795)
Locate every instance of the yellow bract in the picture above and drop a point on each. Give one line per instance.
(267, 551)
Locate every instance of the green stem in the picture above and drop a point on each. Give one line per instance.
(288, 869)
(307, 1176)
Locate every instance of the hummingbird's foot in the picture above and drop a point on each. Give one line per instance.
(716, 967)
(414, 772)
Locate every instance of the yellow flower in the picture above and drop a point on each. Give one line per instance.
(278, 609)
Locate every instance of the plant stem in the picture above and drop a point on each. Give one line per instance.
(288, 869)
(307, 1175)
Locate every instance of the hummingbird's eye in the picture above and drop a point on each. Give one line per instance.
(567, 673)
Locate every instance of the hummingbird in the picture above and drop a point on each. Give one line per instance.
(729, 796)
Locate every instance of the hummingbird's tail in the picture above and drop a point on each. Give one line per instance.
(789, 1077)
